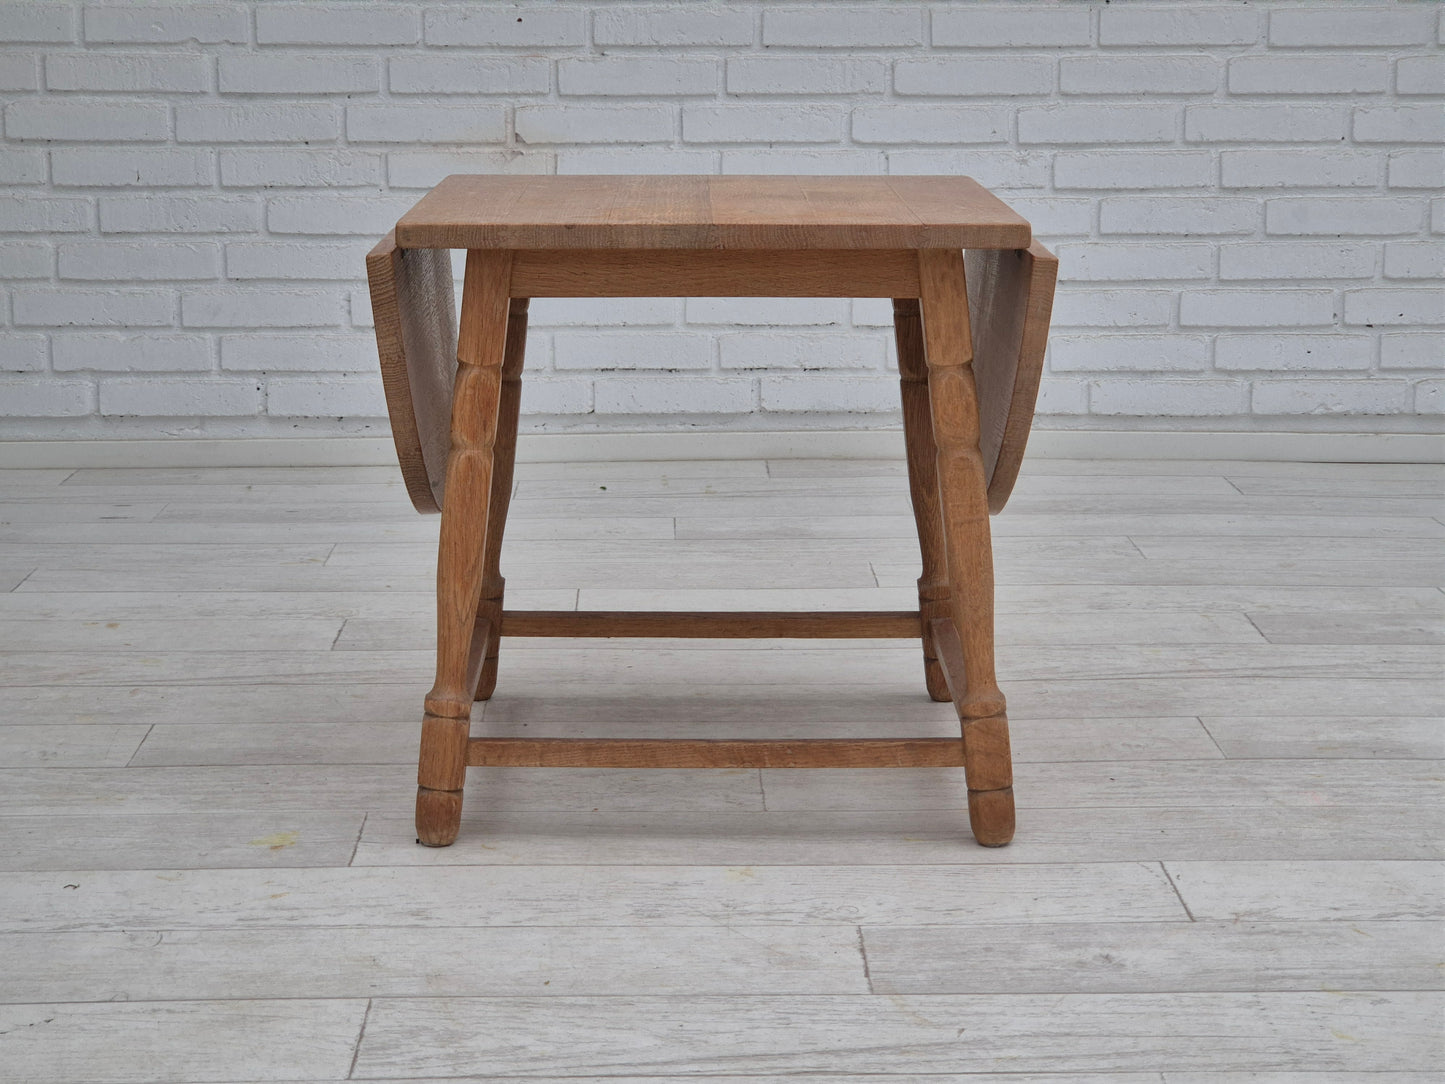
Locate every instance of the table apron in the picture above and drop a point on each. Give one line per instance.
(714, 273)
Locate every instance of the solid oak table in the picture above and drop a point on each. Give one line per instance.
(971, 301)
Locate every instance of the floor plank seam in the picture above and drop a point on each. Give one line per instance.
(1168, 877)
(360, 1035)
(863, 954)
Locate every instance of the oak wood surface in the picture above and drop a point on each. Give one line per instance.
(715, 753)
(416, 337)
(702, 212)
(1010, 300)
(714, 273)
(753, 624)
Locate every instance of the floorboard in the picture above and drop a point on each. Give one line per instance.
(1225, 692)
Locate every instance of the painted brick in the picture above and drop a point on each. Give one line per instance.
(1128, 353)
(207, 24)
(1062, 397)
(594, 124)
(60, 306)
(74, 119)
(22, 166)
(296, 259)
(1414, 260)
(1412, 350)
(1299, 168)
(336, 24)
(1133, 169)
(635, 161)
(1096, 261)
(673, 26)
(425, 168)
(1145, 397)
(805, 75)
(549, 395)
(982, 26)
(1353, 25)
(26, 259)
(1331, 396)
(23, 353)
(1376, 307)
(1420, 75)
(470, 75)
(1323, 74)
(1437, 216)
(260, 123)
(359, 306)
(1056, 217)
(764, 160)
(1285, 260)
(766, 311)
(930, 124)
(1342, 215)
(1430, 397)
(20, 214)
(179, 214)
(266, 168)
(299, 73)
(993, 169)
(761, 124)
(46, 398)
(178, 398)
(259, 306)
(1256, 308)
(1263, 123)
(1098, 124)
(426, 123)
(141, 260)
(637, 76)
(1293, 353)
(594, 312)
(292, 352)
(852, 350)
(133, 167)
(176, 73)
(856, 393)
(20, 22)
(873, 312)
(19, 71)
(1113, 308)
(674, 395)
(1167, 74)
(502, 26)
(1185, 215)
(972, 75)
(1175, 25)
(864, 27)
(1400, 124)
(326, 397)
(132, 352)
(632, 350)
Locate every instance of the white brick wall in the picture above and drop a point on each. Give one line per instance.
(1242, 196)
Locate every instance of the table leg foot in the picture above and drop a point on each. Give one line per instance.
(438, 816)
(991, 816)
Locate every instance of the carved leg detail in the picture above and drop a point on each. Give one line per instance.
(504, 459)
(963, 492)
(461, 639)
(922, 483)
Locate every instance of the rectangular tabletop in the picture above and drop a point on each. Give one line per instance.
(705, 212)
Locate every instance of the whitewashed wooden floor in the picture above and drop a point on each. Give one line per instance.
(1225, 682)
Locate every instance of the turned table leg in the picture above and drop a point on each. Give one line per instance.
(963, 489)
(504, 459)
(922, 483)
(461, 640)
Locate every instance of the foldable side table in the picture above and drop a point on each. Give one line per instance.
(971, 302)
